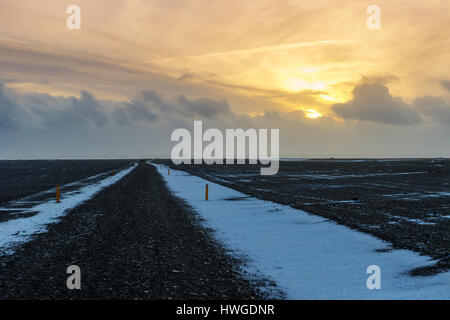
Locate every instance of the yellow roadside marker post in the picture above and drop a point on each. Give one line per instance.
(168, 172)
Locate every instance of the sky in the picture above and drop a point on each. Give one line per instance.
(138, 69)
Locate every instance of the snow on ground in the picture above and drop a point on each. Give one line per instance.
(308, 256)
(16, 231)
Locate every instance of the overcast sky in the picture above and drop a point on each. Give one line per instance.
(139, 69)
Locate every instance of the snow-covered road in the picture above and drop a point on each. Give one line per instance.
(16, 231)
(308, 256)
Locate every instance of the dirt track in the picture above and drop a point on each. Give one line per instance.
(134, 240)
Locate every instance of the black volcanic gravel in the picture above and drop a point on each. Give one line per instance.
(19, 178)
(134, 240)
(403, 201)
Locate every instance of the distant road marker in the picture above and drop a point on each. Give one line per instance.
(57, 193)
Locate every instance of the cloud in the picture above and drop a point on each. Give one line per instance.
(46, 126)
(9, 109)
(50, 112)
(381, 78)
(120, 117)
(373, 102)
(151, 105)
(204, 107)
(445, 84)
(435, 107)
(138, 110)
(55, 112)
(272, 115)
(185, 76)
(154, 99)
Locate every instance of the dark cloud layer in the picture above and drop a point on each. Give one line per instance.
(435, 107)
(43, 110)
(55, 112)
(43, 126)
(204, 107)
(373, 102)
(9, 110)
(150, 106)
(445, 84)
(138, 110)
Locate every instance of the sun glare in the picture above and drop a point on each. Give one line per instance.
(297, 84)
(327, 97)
(312, 114)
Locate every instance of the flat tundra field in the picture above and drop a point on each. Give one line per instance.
(403, 201)
(23, 178)
(137, 232)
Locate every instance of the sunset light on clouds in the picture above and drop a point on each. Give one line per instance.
(312, 69)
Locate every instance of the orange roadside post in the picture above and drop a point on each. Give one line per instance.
(206, 192)
(57, 193)
(168, 172)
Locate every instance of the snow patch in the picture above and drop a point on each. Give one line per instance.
(308, 256)
(16, 231)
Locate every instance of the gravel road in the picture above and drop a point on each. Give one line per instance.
(134, 240)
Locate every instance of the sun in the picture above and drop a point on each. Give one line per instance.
(313, 114)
